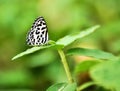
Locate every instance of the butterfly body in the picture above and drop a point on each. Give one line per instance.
(38, 34)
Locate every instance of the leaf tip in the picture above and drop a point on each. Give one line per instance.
(13, 58)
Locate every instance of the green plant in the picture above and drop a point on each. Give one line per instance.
(92, 66)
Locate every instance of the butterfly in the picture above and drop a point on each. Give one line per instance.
(38, 34)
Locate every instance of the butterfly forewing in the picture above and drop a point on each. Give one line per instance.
(38, 35)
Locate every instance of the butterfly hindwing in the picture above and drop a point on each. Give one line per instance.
(38, 35)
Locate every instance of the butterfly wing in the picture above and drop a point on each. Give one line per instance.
(38, 35)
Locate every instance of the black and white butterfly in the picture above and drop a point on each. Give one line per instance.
(38, 34)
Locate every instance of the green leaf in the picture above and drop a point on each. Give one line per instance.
(70, 87)
(91, 53)
(28, 51)
(71, 38)
(57, 87)
(107, 74)
(63, 87)
(85, 66)
(34, 49)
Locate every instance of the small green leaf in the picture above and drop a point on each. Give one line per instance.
(91, 53)
(57, 87)
(71, 38)
(70, 87)
(107, 74)
(85, 66)
(28, 51)
(63, 87)
(34, 49)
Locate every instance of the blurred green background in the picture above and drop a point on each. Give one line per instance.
(36, 72)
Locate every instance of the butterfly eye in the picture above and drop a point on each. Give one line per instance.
(38, 35)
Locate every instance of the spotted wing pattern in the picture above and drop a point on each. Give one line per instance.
(38, 35)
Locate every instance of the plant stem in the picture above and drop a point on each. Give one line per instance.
(65, 65)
